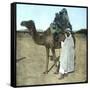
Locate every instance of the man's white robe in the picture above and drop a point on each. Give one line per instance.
(67, 56)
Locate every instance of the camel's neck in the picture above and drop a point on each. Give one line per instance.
(36, 36)
(33, 31)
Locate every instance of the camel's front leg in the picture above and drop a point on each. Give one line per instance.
(54, 55)
(47, 60)
(54, 59)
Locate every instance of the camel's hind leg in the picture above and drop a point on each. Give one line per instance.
(47, 60)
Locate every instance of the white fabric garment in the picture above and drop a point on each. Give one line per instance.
(67, 56)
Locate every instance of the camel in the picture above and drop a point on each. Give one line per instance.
(45, 38)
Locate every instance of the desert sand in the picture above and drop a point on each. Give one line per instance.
(29, 70)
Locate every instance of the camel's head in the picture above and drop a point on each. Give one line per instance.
(29, 25)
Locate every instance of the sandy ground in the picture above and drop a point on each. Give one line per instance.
(30, 69)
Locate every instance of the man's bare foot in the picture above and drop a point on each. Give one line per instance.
(66, 74)
(61, 76)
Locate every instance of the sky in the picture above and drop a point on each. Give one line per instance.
(44, 15)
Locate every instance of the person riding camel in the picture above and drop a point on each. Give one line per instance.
(60, 23)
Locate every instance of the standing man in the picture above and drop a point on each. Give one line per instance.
(67, 56)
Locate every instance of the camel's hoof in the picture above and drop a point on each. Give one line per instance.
(45, 72)
(56, 72)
